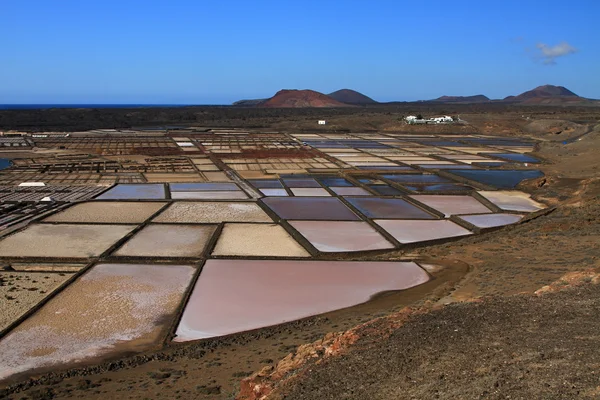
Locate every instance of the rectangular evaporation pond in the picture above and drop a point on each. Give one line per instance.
(108, 212)
(307, 192)
(260, 240)
(416, 178)
(500, 179)
(310, 208)
(445, 166)
(159, 240)
(301, 183)
(64, 240)
(412, 231)
(245, 292)
(213, 212)
(350, 191)
(386, 190)
(266, 183)
(440, 188)
(522, 158)
(336, 182)
(385, 168)
(491, 220)
(512, 200)
(134, 192)
(226, 195)
(112, 309)
(194, 187)
(341, 236)
(388, 208)
(274, 192)
(451, 205)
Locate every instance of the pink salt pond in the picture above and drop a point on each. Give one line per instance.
(411, 231)
(240, 295)
(491, 220)
(341, 236)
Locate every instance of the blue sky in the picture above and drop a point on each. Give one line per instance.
(216, 52)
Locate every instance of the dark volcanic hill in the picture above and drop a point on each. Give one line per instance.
(546, 94)
(248, 103)
(288, 98)
(478, 98)
(349, 96)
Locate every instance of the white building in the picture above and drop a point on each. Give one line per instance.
(445, 118)
(322, 122)
(411, 119)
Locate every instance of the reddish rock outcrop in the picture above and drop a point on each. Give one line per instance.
(262, 384)
(570, 280)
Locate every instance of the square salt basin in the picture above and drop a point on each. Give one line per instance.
(248, 292)
(64, 240)
(134, 192)
(111, 309)
(193, 187)
(274, 192)
(168, 241)
(257, 240)
(374, 207)
(491, 220)
(108, 212)
(301, 183)
(307, 192)
(445, 166)
(451, 205)
(350, 191)
(411, 231)
(213, 212)
(310, 208)
(416, 178)
(335, 181)
(500, 179)
(266, 183)
(512, 200)
(386, 190)
(217, 195)
(440, 188)
(341, 236)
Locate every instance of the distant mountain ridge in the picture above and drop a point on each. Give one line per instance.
(292, 98)
(478, 98)
(350, 96)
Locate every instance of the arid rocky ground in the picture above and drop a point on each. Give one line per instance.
(509, 343)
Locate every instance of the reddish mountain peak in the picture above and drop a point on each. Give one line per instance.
(544, 91)
(301, 98)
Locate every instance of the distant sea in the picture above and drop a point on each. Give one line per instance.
(47, 106)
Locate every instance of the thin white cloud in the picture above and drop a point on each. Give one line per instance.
(549, 54)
